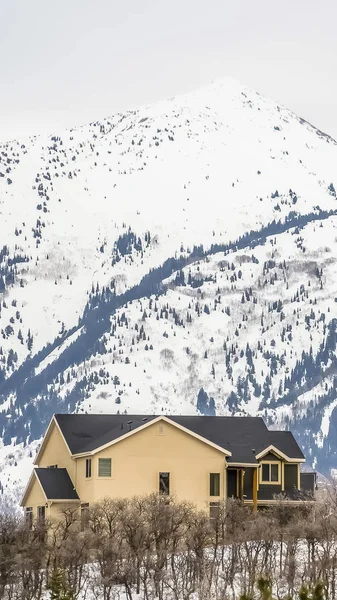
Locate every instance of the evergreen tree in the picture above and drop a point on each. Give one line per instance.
(317, 592)
(265, 588)
(205, 405)
(29, 340)
(59, 587)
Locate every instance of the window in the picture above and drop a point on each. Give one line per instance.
(214, 484)
(88, 468)
(41, 513)
(164, 484)
(270, 473)
(29, 517)
(84, 516)
(104, 467)
(214, 508)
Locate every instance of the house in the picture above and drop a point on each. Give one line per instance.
(84, 458)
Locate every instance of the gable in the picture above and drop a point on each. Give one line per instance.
(54, 451)
(33, 494)
(160, 439)
(150, 424)
(271, 456)
(86, 433)
(294, 453)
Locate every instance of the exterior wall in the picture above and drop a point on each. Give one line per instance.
(308, 483)
(138, 460)
(248, 483)
(289, 479)
(267, 492)
(57, 453)
(290, 476)
(35, 497)
(54, 512)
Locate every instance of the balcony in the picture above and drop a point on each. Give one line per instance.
(307, 491)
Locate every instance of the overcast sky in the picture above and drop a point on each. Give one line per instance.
(66, 62)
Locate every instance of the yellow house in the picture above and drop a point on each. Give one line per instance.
(85, 458)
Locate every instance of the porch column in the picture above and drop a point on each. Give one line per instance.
(242, 478)
(255, 490)
(225, 484)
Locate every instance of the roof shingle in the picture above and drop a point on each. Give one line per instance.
(56, 484)
(242, 436)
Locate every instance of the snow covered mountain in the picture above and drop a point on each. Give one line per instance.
(176, 258)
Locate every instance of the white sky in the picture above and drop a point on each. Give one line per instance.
(66, 62)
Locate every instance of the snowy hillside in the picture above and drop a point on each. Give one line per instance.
(175, 258)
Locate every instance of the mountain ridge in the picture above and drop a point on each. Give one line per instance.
(211, 204)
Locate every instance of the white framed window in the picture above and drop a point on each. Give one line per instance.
(214, 484)
(104, 467)
(41, 513)
(88, 468)
(29, 516)
(164, 484)
(270, 473)
(214, 508)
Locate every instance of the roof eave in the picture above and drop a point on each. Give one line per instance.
(37, 457)
(67, 500)
(283, 500)
(242, 464)
(27, 488)
(272, 448)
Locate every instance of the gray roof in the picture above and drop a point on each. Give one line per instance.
(84, 433)
(56, 484)
(244, 437)
(285, 442)
(236, 434)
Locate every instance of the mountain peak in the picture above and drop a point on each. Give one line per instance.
(182, 246)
